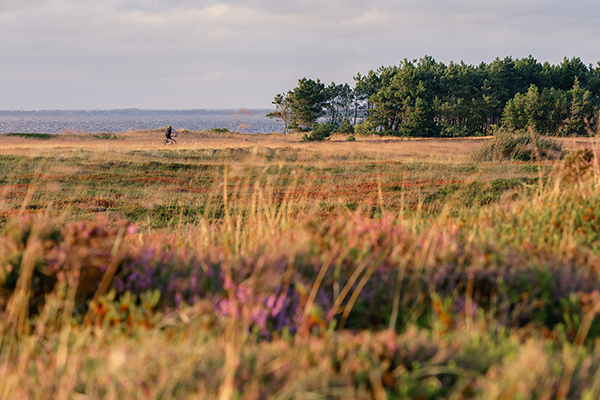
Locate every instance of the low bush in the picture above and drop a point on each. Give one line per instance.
(345, 127)
(39, 136)
(453, 131)
(105, 136)
(364, 128)
(518, 146)
(319, 132)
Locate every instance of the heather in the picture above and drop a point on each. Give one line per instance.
(323, 276)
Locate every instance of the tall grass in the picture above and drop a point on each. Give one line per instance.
(265, 295)
(519, 146)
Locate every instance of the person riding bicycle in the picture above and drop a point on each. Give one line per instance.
(169, 133)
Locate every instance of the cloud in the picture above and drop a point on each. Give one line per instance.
(235, 53)
(17, 5)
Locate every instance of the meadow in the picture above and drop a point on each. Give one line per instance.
(238, 266)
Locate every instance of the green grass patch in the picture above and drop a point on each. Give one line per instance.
(163, 216)
(106, 136)
(478, 193)
(39, 136)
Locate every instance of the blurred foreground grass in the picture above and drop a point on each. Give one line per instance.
(280, 273)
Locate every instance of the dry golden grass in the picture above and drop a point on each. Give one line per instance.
(375, 147)
(389, 148)
(280, 209)
(134, 171)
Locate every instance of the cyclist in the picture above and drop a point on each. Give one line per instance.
(169, 134)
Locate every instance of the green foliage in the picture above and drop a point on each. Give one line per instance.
(563, 112)
(299, 108)
(522, 146)
(220, 130)
(307, 102)
(345, 127)
(364, 128)
(477, 193)
(531, 110)
(318, 133)
(338, 102)
(427, 98)
(405, 104)
(105, 136)
(350, 138)
(283, 111)
(39, 136)
(580, 112)
(163, 215)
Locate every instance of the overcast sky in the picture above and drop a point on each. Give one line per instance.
(184, 54)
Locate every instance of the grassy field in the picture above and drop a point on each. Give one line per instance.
(259, 266)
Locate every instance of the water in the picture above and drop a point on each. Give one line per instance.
(124, 120)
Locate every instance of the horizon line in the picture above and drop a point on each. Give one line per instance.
(137, 109)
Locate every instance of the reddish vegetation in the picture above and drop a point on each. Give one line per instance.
(388, 190)
(406, 184)
(102, 202)
(15, 191)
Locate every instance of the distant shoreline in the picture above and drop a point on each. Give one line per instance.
(129, 111)
(124, 120)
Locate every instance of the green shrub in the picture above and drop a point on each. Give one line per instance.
(364, 128)
(346, 127)
(319, 132)
(39, 136)
(105, 136)
(453, 131)
(219, 130)
(518, 146)
(350, 139)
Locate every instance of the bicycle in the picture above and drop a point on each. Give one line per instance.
(169, 141)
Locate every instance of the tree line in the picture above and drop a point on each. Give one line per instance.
(428, 98)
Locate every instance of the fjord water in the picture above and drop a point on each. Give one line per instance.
(123, 120)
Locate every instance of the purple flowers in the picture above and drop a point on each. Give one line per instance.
(271, 278)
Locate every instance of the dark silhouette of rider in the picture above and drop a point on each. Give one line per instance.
(169, 133)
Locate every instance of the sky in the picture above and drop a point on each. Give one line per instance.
(211, 54)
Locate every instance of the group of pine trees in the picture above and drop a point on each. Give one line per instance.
(428, 98)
